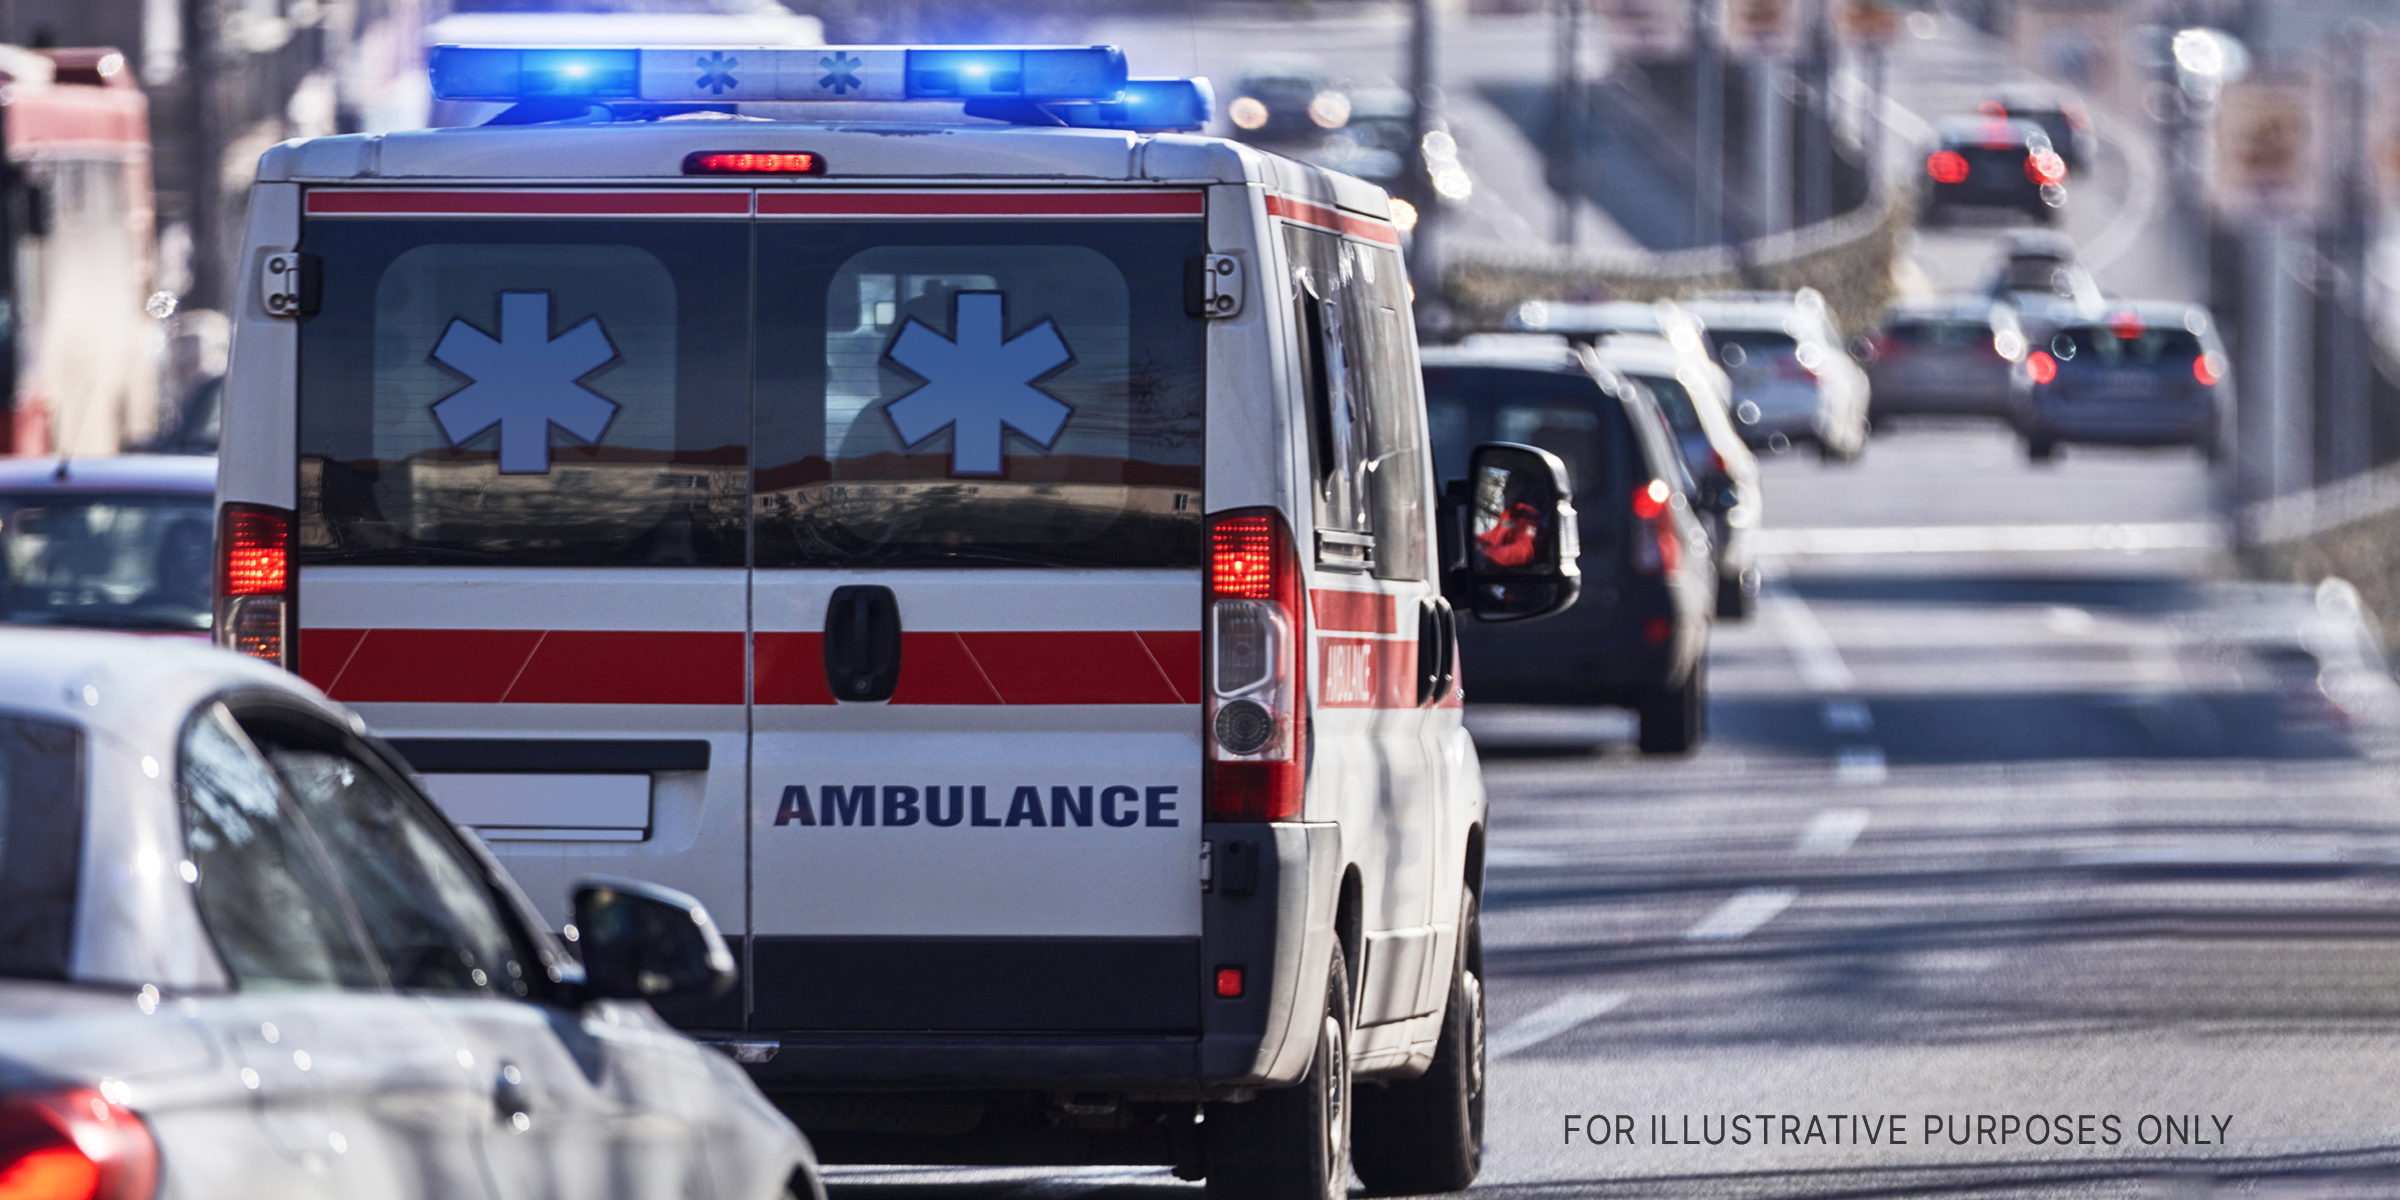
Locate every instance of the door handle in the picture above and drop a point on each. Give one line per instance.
(1437, 649)
(862, 643)
(510, 1102)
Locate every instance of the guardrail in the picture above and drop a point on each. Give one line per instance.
(1848, 259)
(2347, 530)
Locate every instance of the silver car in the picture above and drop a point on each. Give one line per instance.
(242, 955)
(1946, 357)
(1793, 381)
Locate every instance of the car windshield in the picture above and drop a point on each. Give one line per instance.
(2079, 346)
(1674, 400)
(1565, 414)
(106, 561)
(41, 839)
(1754, 347)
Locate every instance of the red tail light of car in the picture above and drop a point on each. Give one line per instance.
(2206, 370)
(74, 1144)
(2041, 366)
(1656, 549)
(1946, 166)
(2045, 167)
(1257, 652)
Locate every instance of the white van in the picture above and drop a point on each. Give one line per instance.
(977, 540)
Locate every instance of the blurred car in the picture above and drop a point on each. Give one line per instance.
(108, 543)
(1946, 357)
(1638, 638)
(1987, 162)
(242, 955)
(1373, 145)
(1588, 320)
(2061, 116)
(2038, 271)
(2149, 374)
(1285, 97)
(1696, 398)
(1792, 379)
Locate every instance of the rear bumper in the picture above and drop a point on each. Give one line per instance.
(2123, 425)
(1268, 910)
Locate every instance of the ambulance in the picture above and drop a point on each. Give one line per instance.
(970, 530)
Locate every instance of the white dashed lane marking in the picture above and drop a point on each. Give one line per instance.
(1832, 832)
(1746, 911)
(1549, 1021)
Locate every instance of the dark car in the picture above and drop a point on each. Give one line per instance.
(2039, 270)
(107, 543)
(2143, 375)
(1948, 357)
(1285, 98)
(1989, 162)
(1639, 636)
(2062, 117)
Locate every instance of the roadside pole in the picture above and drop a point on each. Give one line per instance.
(2345, 447)
(1424, 89)
(1566, 121)
(1771, 141)
(1708, 126)
(2269, 182)
(1816, 131)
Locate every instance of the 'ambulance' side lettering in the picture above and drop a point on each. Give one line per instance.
(899, 806)
(1108, 807)
(936, 814)
(794, 806)
(1025, 808)
(1156, 806)
(1065, 803)
(858, 808)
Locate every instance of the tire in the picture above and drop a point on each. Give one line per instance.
(1733, 598)
(2041, 450)
(1671, 720)
(1425, 1135)
(1291, 1143)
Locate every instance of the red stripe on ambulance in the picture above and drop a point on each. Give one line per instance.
(1332, 220)
(578, 666)
(686, 202)
(1366, 673)
(982, 204)
(1354, 612)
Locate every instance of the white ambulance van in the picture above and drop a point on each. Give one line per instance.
(976, 537)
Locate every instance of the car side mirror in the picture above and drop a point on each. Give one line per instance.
(1724, 498)
(641, 941)
(1511, 545)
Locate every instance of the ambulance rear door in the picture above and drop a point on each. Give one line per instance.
(522, 536)
(977, 760)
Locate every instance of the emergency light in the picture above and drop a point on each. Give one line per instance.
(775, 74)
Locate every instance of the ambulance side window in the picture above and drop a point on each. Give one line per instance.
(1366, 428)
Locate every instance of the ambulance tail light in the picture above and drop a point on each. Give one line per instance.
(1257, 684)
(255, 602)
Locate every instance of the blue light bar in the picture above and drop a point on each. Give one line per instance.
(1149, 105)
(735, 74)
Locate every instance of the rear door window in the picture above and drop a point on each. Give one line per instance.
(41, 844)
(978, 394)
(1565, 414)
(2088, 346)
(565, 392)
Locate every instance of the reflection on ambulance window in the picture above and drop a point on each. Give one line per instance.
(985, 395)
(522, 393)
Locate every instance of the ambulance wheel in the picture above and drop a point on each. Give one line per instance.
(1291, 1143)
(1670, 720)
(1425, 1135)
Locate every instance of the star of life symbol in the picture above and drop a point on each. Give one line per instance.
(716, 73)
(524, 382)
(841, 72)
(975, 383)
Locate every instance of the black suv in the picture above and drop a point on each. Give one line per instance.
(1639, 636)
(1995, 163)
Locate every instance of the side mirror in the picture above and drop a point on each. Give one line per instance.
(641, 941)
(1512, 538)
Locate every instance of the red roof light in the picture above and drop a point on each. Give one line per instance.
(746, 163)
